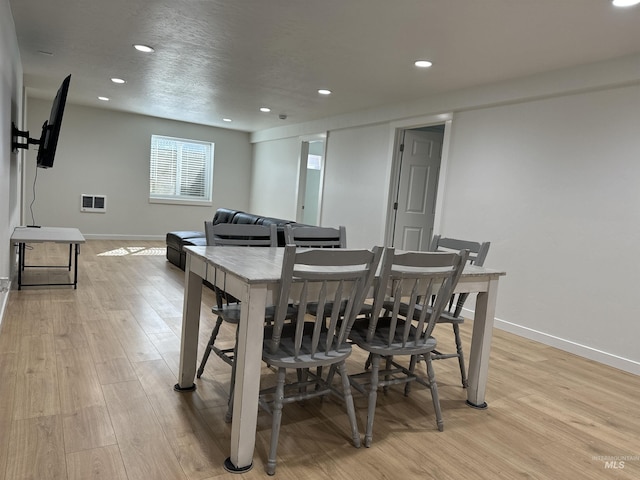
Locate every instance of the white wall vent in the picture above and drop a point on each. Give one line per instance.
(93, 203)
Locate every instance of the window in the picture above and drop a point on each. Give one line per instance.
(181, 171)
(314, 162)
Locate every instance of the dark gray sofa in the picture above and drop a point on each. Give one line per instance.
(179, 239)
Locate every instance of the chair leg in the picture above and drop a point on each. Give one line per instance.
(463, 371)
(412, 367)
(207, 352)
(329, 379)
(348, 400)
(276, 421)
(434, 391)
(228, 417)
(388, 366)
(303, 375)
(319, 375)
(373, 397)
(367, 362)
(232, 383)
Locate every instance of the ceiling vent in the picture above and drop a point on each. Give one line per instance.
(93, 203)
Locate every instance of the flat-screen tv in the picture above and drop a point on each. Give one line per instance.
(51, 128)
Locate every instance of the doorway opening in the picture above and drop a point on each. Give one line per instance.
(310, 179)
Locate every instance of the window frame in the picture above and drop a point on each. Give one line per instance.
(176, 198)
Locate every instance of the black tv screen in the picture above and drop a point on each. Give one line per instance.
(51, 127)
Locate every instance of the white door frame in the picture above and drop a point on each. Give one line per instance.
(397, 129)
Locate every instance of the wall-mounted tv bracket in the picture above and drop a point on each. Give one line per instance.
(17, 134)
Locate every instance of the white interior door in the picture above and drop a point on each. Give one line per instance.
(417, 189)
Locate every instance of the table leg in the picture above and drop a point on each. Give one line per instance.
(190, 327)
(481, 345)
(247, 384)
(20, 264)
(75, 265)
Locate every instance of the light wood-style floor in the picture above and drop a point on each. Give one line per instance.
(86, 381)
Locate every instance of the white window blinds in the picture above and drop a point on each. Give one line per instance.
(181, 171)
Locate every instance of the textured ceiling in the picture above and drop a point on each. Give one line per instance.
(227, 58)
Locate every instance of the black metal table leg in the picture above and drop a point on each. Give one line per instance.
(75, 266)
(20, 264)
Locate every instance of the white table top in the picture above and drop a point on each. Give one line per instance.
(47, 234)
(264, 264)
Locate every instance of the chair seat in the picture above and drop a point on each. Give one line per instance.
(380, 345)
(285, 357)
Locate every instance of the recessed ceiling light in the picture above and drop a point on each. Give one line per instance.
(324, 91)
(265, 109)
(104, 99)
(625, 3)
(117, 80)
(423, 63)
(144, 48)
(226, 120)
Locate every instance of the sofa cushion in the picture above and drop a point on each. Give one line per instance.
(224, 215)
(279, 223)
(195, 242)
(274, 221)
(245, 218)
(176, 239)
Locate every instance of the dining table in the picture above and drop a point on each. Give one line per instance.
(253, 276)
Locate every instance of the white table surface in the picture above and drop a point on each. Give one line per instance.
(47, 234)
(252, 275)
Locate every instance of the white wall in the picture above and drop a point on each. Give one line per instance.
(274, 179)
(10, 163)
(555, 185)
(103, 152)
(356, 184)
(546, 168)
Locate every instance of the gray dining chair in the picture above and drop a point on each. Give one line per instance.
(323, 277)
(452, 313)
(415, 277)
(227, 308)
(315, 237)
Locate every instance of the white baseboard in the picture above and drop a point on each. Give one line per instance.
(570, 346)
(105, 236)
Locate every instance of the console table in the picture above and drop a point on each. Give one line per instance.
(23, 235)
